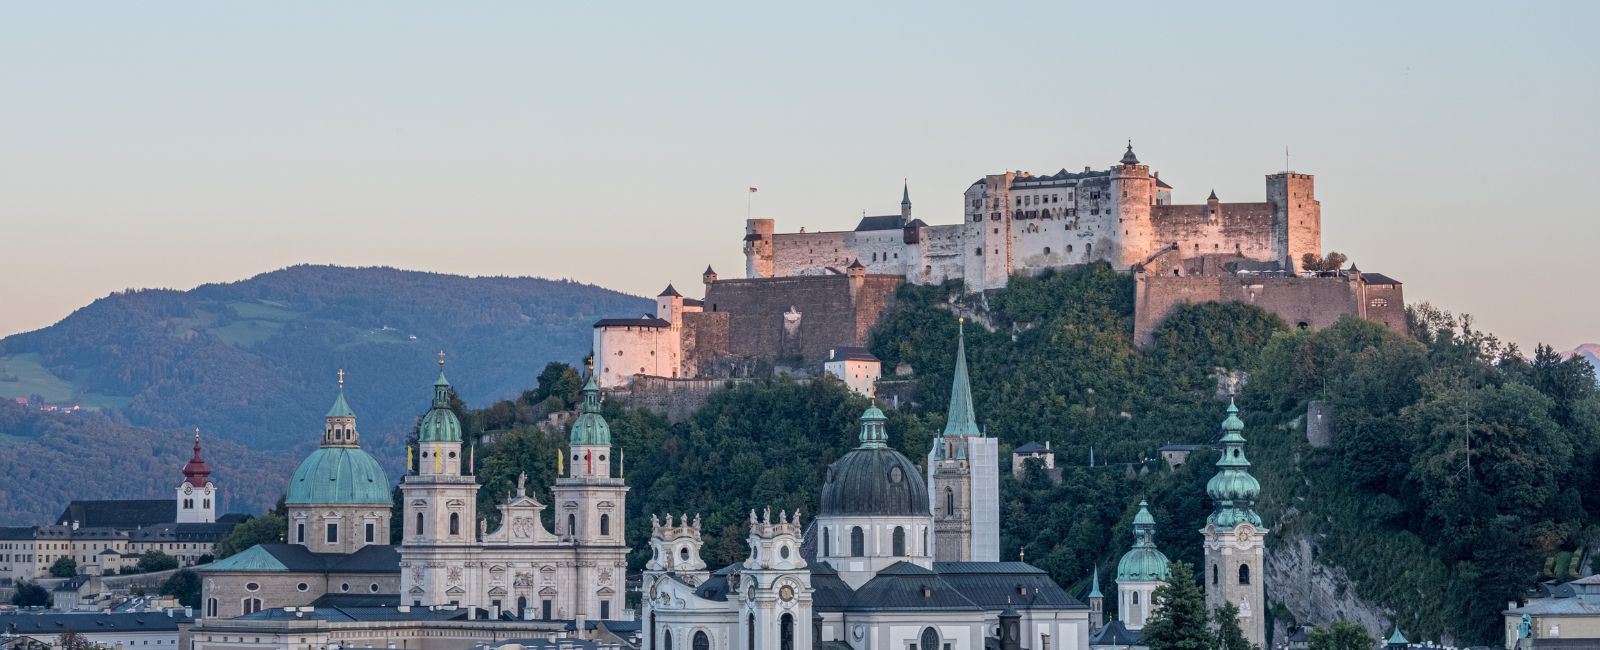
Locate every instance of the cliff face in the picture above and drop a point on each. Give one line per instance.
(1314, 593)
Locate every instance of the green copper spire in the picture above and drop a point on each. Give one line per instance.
(961, 421)
(1233, 490)
(440, 423)
(873, 435)
(340, 408)
(590, 429)
(1397, 639)
(905, 194)
(1094, 584)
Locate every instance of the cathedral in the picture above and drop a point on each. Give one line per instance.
(866, 572)
(521, 566)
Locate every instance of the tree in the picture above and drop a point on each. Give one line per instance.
(1333, 262)
(1341, 635)
(71, 640)
(1179, 620)
(155, 560)
(183, 585)
(557, 380)
(64, 567)
(265, 529)
(30, 595)
(1229, 636)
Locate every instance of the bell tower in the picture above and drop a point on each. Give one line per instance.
(591, 505)
(776, 585)
(1234, 537)
(441, 506)
(964, 478)
(197, 495)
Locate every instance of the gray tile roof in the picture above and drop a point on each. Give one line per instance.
(54, 624)
(1115, 634)
(295, 558)
(904, 586)
(126, 513)
(997, 585)
(1030, 448)
(353, 614)
(880, 222)
(852, 354)
(643, 321)
(357, 600)
(1377, 278)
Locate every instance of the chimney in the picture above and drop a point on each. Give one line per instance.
(578, 623)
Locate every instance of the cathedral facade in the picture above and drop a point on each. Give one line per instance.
(522, 567)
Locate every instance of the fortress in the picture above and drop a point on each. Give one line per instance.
(806, 294)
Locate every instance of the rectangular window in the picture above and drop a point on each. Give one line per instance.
(605, 610)
(544, 609)
(299, 533)
(372, 532)
(333, 533)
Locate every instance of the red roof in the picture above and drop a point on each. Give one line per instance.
(197, 472)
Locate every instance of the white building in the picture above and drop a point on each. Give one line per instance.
(447, 559)
(861, 575)
(858, 368)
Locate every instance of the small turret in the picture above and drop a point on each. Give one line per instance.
(905, 203)
(340, 427)
(675, 548)
(710, 276)
(1097, 602)
(1127, 157)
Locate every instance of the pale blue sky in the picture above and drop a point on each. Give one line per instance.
(160, 144)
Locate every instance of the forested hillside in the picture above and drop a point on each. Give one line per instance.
(47, 459)
(1459, 472)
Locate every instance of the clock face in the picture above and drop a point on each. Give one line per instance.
(786, 593)
(188, 490)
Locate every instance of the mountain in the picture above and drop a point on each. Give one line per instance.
(256, 361)
(1589, 351)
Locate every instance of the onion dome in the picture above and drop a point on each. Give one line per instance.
(340, 471)
(590, 429)
(440, 423)
(196, 472)
(1144, 562)
(874, 479)
(1127, 157)
(1233, 490)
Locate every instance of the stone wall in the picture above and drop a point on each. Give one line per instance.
(1244, 229)
(1300, 301)
(705, 342)
(674, 399)
(796, 320)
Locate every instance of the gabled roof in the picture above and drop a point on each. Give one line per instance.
(996, 585)
(1115, 634)
(904, 586)
(294, 558)
(126, 513)
(643, 321)
(880, 222)
(55, 624)
(1377, 278)
(1030, 447)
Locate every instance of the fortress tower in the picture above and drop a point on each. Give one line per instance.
(1296, 215)
(758, 237)
(963, 479)
(1133, 191)
(1235, 539)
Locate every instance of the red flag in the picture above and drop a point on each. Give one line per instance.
(752, 190)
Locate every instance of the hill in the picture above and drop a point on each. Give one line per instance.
(1408, 530)
(254, 361)
(1589, 352)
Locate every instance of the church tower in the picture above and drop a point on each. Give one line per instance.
(776, 584)
(197, 496)
(1235, 538)
(440, 506)
(905, 204)
(1141, 570)
(964, 478)
(591, 505)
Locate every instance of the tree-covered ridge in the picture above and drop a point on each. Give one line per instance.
(254, 360)
(1391, 501)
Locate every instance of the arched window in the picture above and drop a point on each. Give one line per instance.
(666, 640)
(1214, 573)
(949, 502)
(701, 642)
(652, 627)
(750, 632)
(605, 524)
(419, 523)
(929, 639)
(899, 541)
(827, 544)
(455, 524)
(572, 525)
(858, 542)
(786, 632)
(251, 605)
(1244, 574)
(211, 607)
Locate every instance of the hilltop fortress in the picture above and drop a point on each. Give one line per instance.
(808, 296)
(1016, 222)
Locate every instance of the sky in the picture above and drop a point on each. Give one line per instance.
(165, 144)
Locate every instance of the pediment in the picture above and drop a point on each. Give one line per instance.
(455, 591)
(418, 590)
(547, 591)
(497, 591)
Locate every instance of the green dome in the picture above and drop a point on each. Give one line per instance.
(590, 429)
(1233, 490)
(1144, 562)
(440, 424)
(339, 475)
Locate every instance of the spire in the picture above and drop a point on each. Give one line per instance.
(873, 435)
(671, 292)
(960, 421)
(340, 408)
(1233, 490)
(905, 193)
(441, 387)
(1094, 584)
(1213, 196)
(196, 472)
(1127, 157)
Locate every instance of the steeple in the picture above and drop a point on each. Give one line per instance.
(873, 435)
(1233, 490)
(196, 472)
(961, 421)
(440, 424)
(905, 193)
(339, 429)
(1094, 584)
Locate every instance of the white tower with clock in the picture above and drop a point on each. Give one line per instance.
(777, 584)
